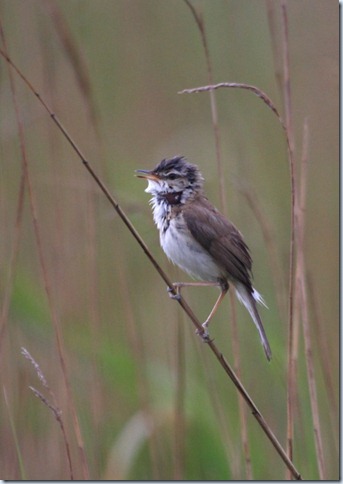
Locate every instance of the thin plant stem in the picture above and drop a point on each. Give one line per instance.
(180, 390)
(214, 110)
(325, 356)
(223, 206)
(282, 75)
(242, 408)
(52, 406)
(46, 282)
(238, 85)
(269, 240)
(232, 452)
(181, 301)
(137, 351)
(286, 127)
(17, 235)
(291, 373)
(274, 30)
(12, 263)
(15, 438)
(303, 297)
(75, 58)
(269, 103)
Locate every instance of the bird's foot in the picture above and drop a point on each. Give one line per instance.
(174, 293)
(204, 334)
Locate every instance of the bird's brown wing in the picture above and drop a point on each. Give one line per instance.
(220, 238)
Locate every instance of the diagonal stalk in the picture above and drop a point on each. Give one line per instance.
(181, 301)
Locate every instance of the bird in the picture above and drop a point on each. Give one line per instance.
(196, 237)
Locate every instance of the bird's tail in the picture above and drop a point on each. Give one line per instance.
(249, 300)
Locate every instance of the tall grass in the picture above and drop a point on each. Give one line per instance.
(140, 396)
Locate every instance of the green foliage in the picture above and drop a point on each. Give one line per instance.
(29, 305)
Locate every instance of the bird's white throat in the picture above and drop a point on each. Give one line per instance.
(153, 187)
(161, 210)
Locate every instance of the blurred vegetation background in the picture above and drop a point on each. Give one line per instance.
(151, 400)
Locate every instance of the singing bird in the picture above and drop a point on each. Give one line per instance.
(199, 239)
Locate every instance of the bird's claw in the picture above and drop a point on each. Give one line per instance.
(172, 295)
(205, 335)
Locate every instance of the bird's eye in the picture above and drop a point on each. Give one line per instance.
(172, 176)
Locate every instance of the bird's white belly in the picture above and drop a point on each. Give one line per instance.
(184, 251)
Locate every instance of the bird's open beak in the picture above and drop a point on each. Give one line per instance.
(146, 174)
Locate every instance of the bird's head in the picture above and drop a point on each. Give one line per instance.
(173, 175)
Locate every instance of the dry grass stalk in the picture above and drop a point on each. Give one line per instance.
(238, 85)
(288, 130)
(15, 438)
(303, 303)
(325, 357)
(137, 350)
(232, 452)
(219, 356)
(223, 206)
(75, 58)
(291, 373)
(269, 240)
(52, 406)
(179, 409)
(242, 409)
(12, 263)
(46, 282)
(274, 30)
(17, 235)
(214, 111)
(298, 304)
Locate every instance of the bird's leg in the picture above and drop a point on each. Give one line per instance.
(224, 286)
(178, 285)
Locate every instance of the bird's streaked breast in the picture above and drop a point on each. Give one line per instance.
(181, 248)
